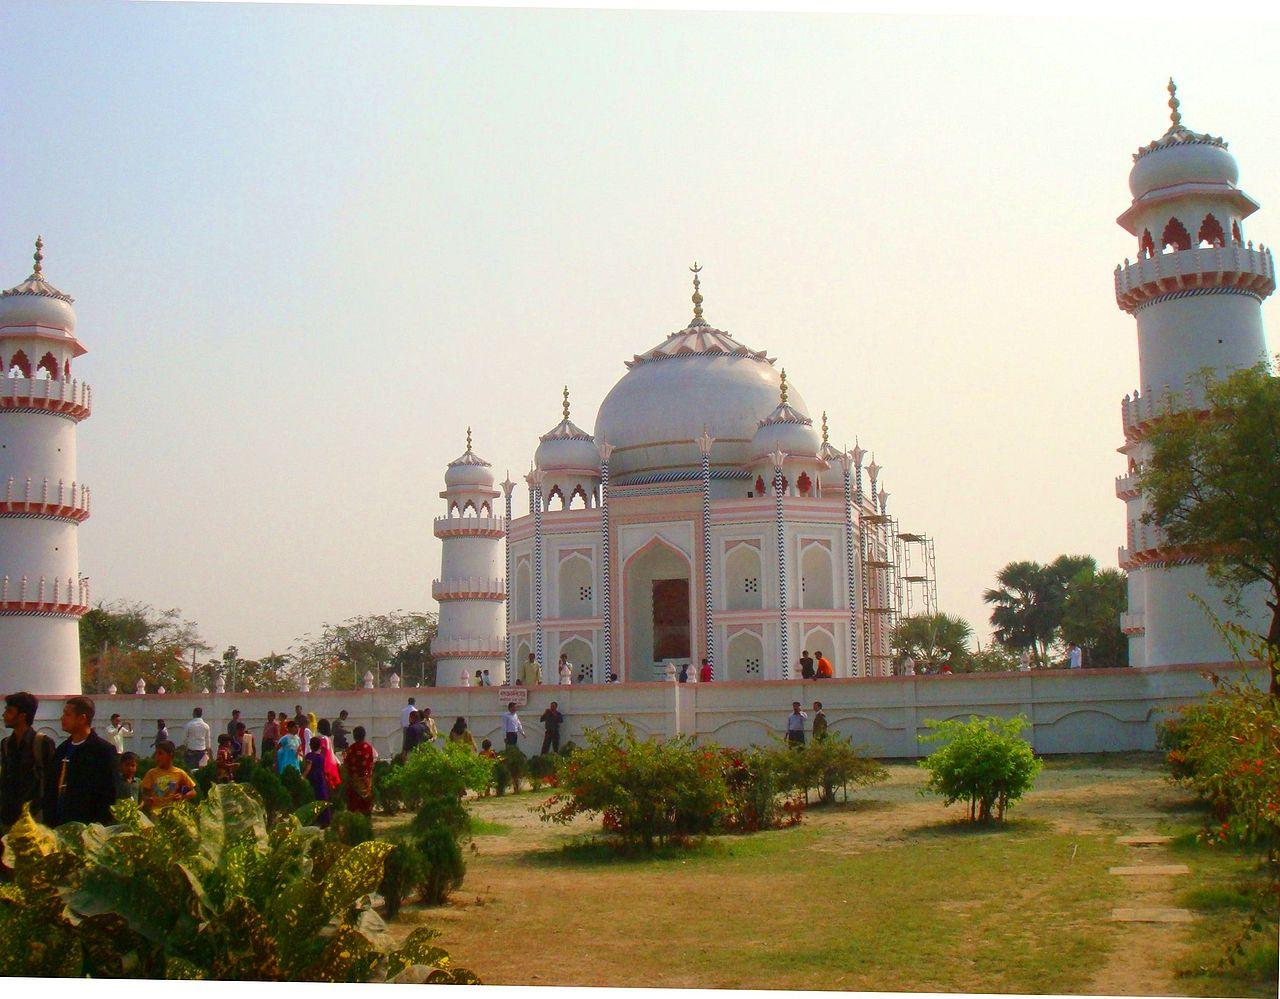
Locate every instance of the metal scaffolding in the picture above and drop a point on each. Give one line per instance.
(917, 574)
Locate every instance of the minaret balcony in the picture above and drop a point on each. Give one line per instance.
(67, 398)
(1133, 623)
(1142, 409)
(1127, 486)
(470, 588)
(470, 527)
(1230, 266)
(493, 647)
(41, 595)
(60, 502)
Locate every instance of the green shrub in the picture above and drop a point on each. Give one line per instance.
(438, 772)
(205, 891)
(646, 791)
(517, 766)
(275, 798)
(441, 848)
(982, 761)
(386, 794)
(838, 763)
(754, 780)
(351, 828)
(404, 871)
(501, 777)
(542, 767)
(297, 787)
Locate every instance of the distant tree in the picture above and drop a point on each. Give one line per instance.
(934, 639)
(1212, 485)
(122, 642)
(1091, 616)
(272, 672)
(381, 644)
(1027, 606)
(994, 658)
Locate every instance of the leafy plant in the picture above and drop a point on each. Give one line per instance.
(983, 761)
(351, 828)
(205, 891)
(438, 772)
(501, 777)
(517, 766)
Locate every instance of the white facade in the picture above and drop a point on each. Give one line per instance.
(471, 589)
(705, 517)
(1196, 291)
(42, 502)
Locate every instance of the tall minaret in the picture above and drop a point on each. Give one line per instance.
(1196, 291)
(42, 502)
(472, 584)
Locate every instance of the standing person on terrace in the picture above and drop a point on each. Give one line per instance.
(530, 672)
(358, 762)
(795, 726)
(565, 670)
(704, 673)
(82, 787)
(806, 665)
(197, 738)
(26, 760)
(512, 728)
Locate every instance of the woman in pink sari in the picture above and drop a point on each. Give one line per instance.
(331, 773)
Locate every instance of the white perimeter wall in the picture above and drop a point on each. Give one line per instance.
(1085, 711)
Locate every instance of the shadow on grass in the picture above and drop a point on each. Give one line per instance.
(597, 851)
(485, 827)
(962, 828)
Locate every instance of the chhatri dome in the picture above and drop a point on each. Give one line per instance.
(786, 429)
(468, 470)
(1181, 157)
(567, 447)
(699, 379)
(35, 302)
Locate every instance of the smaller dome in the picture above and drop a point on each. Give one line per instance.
(35, 302)
(566, 446)
(1181, 156)
(468, 470)
(785, 429)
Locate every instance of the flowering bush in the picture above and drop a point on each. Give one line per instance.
(824, 765)
(647, 791)
(983, 761)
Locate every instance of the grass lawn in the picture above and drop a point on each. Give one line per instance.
(887, 892)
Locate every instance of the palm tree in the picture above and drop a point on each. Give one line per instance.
(1027, 607)
(933, 639)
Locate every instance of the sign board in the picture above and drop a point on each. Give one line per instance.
(518, 695)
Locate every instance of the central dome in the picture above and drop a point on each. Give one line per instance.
(698, 378)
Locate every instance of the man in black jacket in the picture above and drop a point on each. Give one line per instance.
(26, 760)
(82, 787)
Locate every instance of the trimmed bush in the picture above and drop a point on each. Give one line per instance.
(351, 828)
(517, 766)
(983, 761)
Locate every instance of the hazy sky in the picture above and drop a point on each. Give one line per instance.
(309, 245)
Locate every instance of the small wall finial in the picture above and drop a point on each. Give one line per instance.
(825, 438)
(697, 295)
(38, 256)
(468, 438)
(782, 386)
(1175, 115)
(566, 404)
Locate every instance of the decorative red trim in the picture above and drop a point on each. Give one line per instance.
(43, 607)
(61, 511)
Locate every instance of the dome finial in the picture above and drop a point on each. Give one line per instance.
(697, 296)
(468, 438)
(825, 438)
(1175, 115)
(38, 257)
(782, 386)
(566, 404)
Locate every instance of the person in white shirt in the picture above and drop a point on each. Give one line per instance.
(512, 729)
(1074, 656)
(565, 670)
(908, 666)
(197, 739)
(795, 725)
(117, 731)
(409, 709)
(1024, 661)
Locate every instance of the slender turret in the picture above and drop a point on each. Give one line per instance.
(42, 501)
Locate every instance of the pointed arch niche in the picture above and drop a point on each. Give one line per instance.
(524, 591)
(817, 577)
(657, 602)
(576, 586)
(742, 577)
(818, 638)
(745, 658)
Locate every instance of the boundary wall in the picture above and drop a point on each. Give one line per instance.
(1071, 711)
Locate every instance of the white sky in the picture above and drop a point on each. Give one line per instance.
(309, 245)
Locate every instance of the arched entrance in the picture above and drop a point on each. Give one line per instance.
(659, 609)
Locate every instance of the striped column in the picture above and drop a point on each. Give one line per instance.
(850, 569)
(535, 499)
(863, 577)
(704, 445)
(605, 660)
(508, 672)
(784, 616)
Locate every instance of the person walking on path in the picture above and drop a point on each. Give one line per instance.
(313, 769)
(162, 734)
(197, 739)
(83, 783)
(551, 720)
(164, 784)
(512, 728)
(288, 748)
(117, 731)
(824, 671)
(795, 726)
(806, 665)
(462, 735)
(819, 722)
(26, 760)
(358, 762)
(341, 739)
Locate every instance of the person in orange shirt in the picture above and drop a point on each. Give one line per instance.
(825, 670)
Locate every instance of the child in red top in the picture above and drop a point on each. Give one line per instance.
(225, 761)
